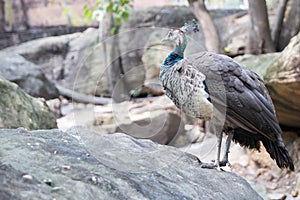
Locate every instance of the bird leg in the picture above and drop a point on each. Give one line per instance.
(224, 160)
(219, 139)
(216, 163)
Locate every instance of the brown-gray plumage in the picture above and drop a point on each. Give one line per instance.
(212, 86)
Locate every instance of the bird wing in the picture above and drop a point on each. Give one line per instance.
(241, 92)
(184, 85)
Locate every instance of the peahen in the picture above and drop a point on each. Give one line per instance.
(214, 87)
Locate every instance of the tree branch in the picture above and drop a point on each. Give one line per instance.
(82, 98)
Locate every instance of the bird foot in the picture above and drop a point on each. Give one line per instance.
(211, 166)
(223, 163)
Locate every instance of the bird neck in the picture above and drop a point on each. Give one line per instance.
(177, 54)
(179, 49)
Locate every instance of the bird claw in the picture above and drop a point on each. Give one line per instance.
(211, 166)
(223, 163)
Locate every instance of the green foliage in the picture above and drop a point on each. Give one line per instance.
(100, 8)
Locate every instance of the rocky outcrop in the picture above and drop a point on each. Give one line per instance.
(48, 53)
(155, 119)
(75, 61)
(283, 82)
(154, 54)
(27, 75)
(18, 109)
(81, 164)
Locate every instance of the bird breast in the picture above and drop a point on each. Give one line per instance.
(184, 85)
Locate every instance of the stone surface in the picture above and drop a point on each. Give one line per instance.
(81, 164)
(48, 53)
(27, 75)
(157, 119)
(84, 65)
(18, 109)
(283, 82)
(154, 54)
(75, 61)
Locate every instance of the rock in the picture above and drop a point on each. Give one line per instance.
(276, 196)
(48, 53)
(27, 75)
(153, 56)
(75, 61)
(157, 119)
(84, 66)
(283, 82)
(101, 166)
(18, 109)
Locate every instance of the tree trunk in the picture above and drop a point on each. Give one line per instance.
(212, 38)
(260, 40)
(278, 25)
(25, 15)
(291, 24)
(2, 16)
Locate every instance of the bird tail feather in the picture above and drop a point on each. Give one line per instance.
(279, 153)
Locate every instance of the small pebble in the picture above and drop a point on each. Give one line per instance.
(66, 167)
(22, 130)
(94, 179)
(56, 189)
(27, 177)
(49, 182)
(276, 196)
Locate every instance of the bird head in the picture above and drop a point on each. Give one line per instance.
(174, 35)
(177, 35)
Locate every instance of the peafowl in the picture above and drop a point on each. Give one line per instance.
(214, 87)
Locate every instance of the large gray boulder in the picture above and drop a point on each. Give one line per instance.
(48, 53)
(283, 81)
(85, 64)
(74, 61)
(81, 164)
(18, 109)
(27, 75)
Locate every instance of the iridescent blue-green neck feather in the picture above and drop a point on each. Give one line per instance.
(175, 55)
